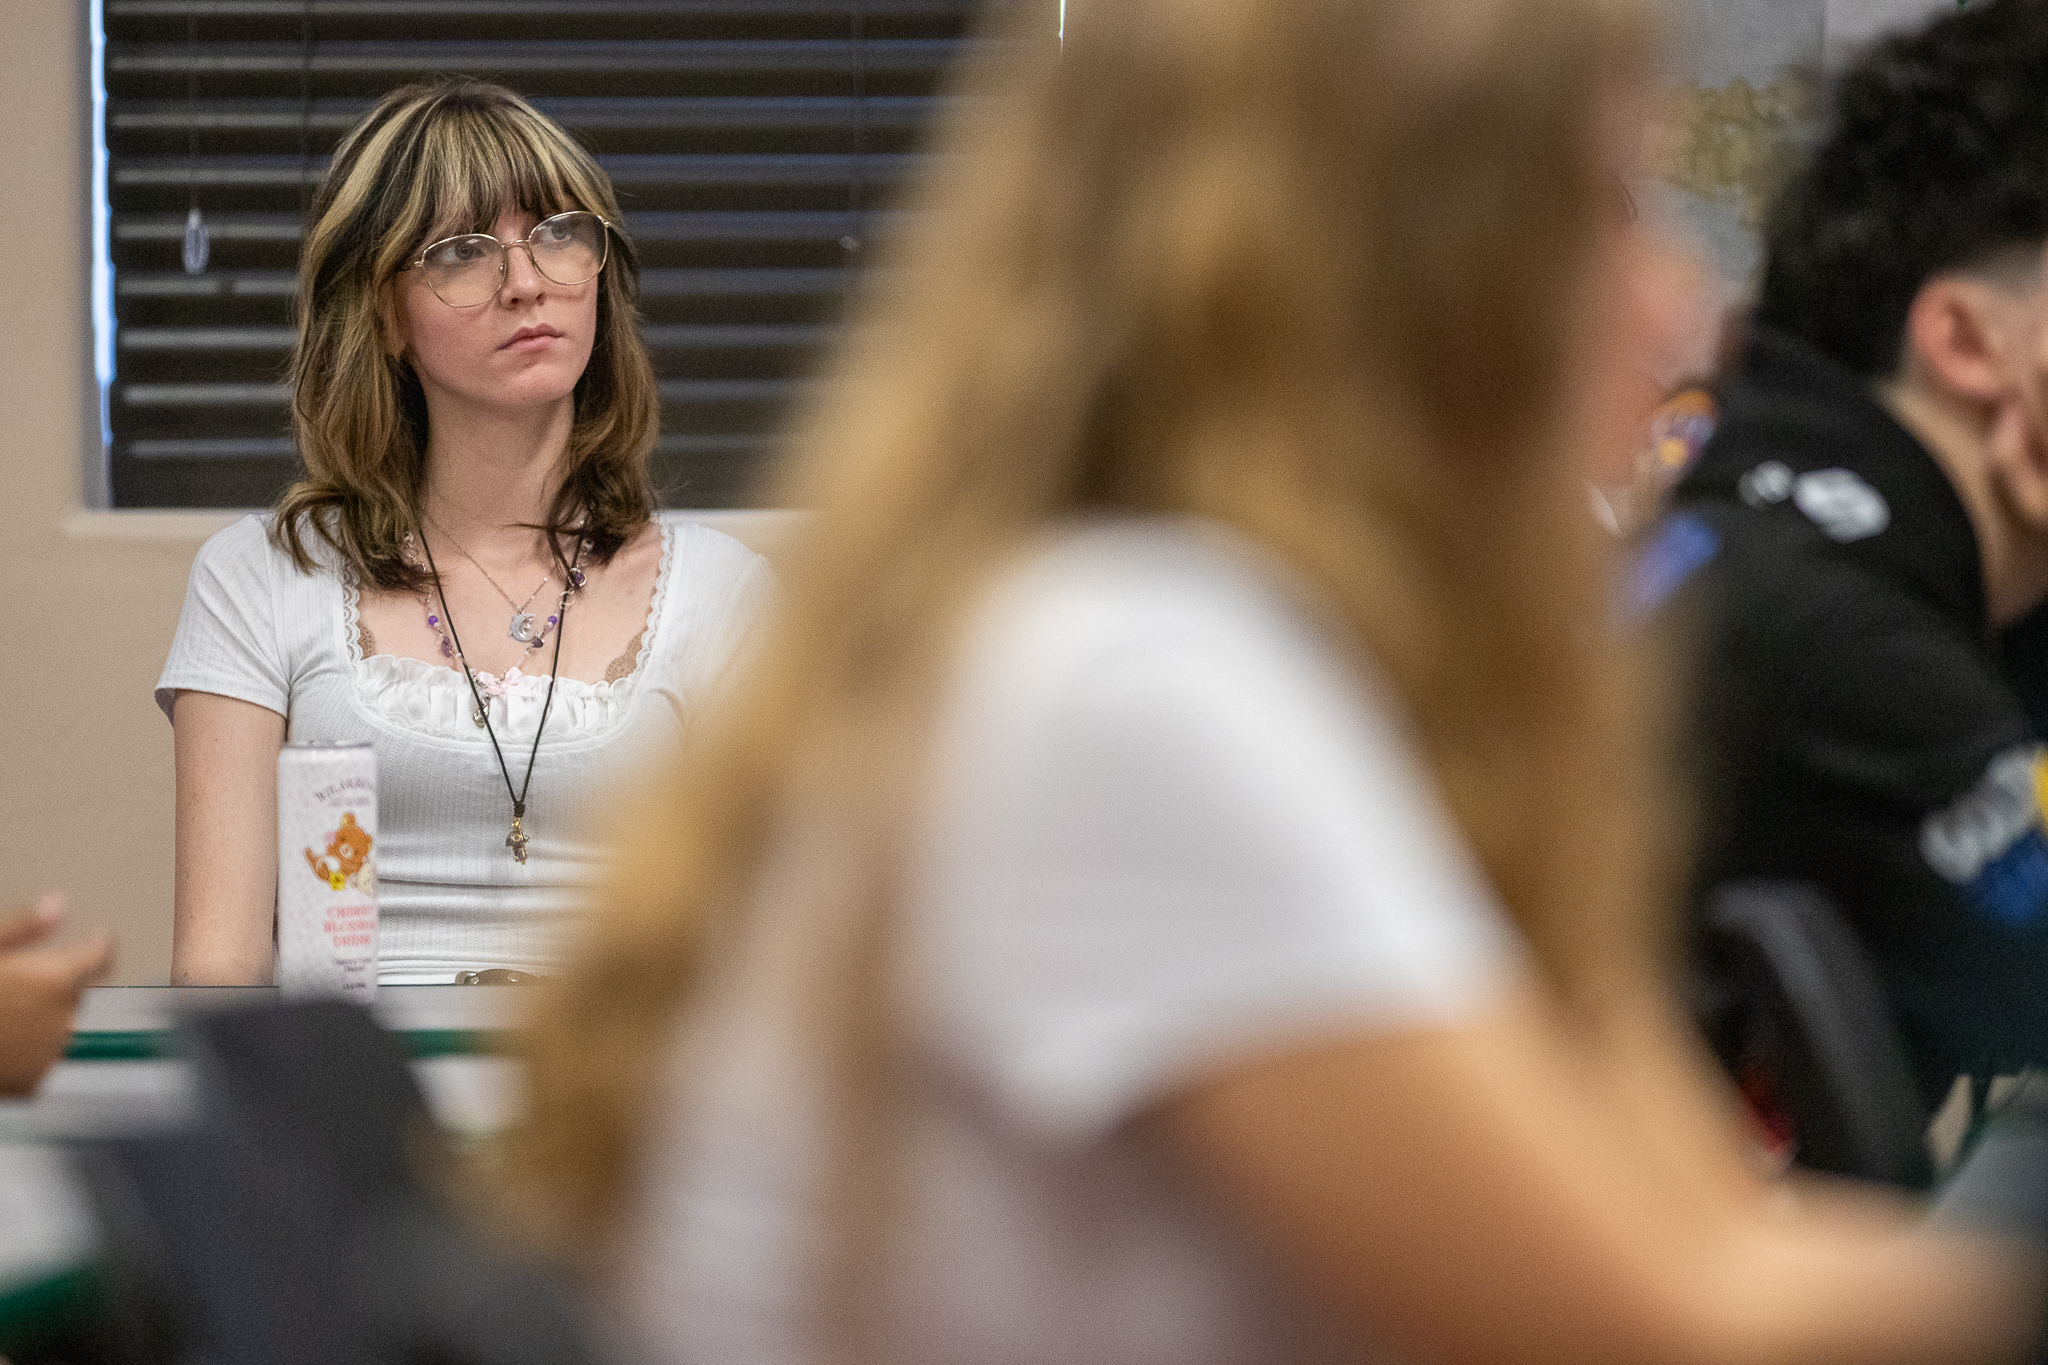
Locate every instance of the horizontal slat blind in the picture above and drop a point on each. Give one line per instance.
(755, 145)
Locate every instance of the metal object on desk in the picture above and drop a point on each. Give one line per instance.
(496, 976)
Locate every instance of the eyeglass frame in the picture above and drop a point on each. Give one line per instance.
(505, 255)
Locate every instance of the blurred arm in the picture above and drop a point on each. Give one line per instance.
(1476, 1193)
(226, 840)
(39, 989)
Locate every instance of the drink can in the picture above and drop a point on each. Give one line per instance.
(327, 870)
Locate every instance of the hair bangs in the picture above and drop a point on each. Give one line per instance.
(474, 158)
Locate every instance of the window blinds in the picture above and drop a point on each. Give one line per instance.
(755, 145)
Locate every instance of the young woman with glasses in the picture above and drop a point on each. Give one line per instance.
(1173, 884)
(471, 575)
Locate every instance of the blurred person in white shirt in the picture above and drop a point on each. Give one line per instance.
(1178, 881)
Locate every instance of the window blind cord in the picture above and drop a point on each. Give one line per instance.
(856, 185)
(197, 245)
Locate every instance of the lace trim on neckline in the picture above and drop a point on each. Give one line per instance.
(433, 697)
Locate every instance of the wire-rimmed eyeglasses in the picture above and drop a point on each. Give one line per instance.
(568, 249)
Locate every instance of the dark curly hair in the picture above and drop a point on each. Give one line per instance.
(1937, 160)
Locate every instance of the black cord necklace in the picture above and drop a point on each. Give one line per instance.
(516, 840)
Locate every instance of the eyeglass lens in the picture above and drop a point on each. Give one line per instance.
(568, 249)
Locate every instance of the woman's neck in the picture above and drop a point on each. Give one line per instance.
(493, 471)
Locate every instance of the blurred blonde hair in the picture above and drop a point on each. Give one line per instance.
(432, 161)
(1304, 268)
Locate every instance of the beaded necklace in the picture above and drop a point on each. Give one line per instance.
(520, 627)
(491, 683)
(451, 644)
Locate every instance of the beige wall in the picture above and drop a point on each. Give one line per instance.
(88, 598)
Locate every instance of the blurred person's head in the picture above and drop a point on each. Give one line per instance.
(1660, 326)
(1935, 161)
(1910, 250)
(379, 347)
(1327, 272)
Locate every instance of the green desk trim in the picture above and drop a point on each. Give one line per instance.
(33, 1312)
(148, 1045)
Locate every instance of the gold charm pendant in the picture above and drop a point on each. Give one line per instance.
(517, 840)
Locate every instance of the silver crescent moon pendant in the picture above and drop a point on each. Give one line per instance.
(521, 627)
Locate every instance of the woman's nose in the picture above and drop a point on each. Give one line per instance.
(522, 279)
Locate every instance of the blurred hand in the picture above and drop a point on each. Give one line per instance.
(39, 990)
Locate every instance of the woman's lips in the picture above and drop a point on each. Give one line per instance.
(531, 338)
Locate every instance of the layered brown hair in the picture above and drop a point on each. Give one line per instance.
(1304, 268)
(433, 161)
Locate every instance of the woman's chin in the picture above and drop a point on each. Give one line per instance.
(527, 394)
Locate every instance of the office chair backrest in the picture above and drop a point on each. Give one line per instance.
(1796, 1003)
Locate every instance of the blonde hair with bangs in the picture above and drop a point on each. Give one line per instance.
(1302, 268)
(432, 161)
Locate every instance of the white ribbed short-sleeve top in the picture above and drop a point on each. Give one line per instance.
(451, 898)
